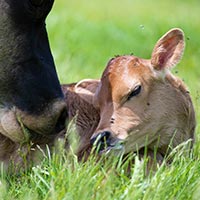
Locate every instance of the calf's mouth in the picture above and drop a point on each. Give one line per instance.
(104, 143)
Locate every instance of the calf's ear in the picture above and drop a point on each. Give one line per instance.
(168, 50)
(86, 89)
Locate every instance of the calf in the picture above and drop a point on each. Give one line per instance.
(32, 108)
(137, 103)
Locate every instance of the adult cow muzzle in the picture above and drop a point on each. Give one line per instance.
(31, 100)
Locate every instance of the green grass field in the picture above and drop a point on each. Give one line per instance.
(84, 35)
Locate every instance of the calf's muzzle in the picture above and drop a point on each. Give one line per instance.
(102, 141)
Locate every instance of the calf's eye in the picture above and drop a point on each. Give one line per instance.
(134, 92)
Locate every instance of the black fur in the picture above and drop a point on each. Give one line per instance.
(28, 78)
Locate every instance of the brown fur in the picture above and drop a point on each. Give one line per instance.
(86, 117)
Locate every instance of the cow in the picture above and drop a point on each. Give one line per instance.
(138, 103)
(32, 107)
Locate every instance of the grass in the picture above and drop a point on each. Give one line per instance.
(84, 35)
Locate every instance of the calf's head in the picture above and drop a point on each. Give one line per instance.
(141, 103)
(30, 93)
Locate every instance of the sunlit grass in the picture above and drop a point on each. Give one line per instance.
(61, 176)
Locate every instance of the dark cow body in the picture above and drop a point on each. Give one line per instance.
(30, 94)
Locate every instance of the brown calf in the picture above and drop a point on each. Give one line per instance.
(137, 102)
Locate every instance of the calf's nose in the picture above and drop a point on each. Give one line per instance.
(102, 140)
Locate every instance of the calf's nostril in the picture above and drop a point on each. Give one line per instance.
(101, 140)
(104, 136)
(61, 122)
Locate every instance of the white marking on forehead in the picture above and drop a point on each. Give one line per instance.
(129, 80)
(131, 83)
